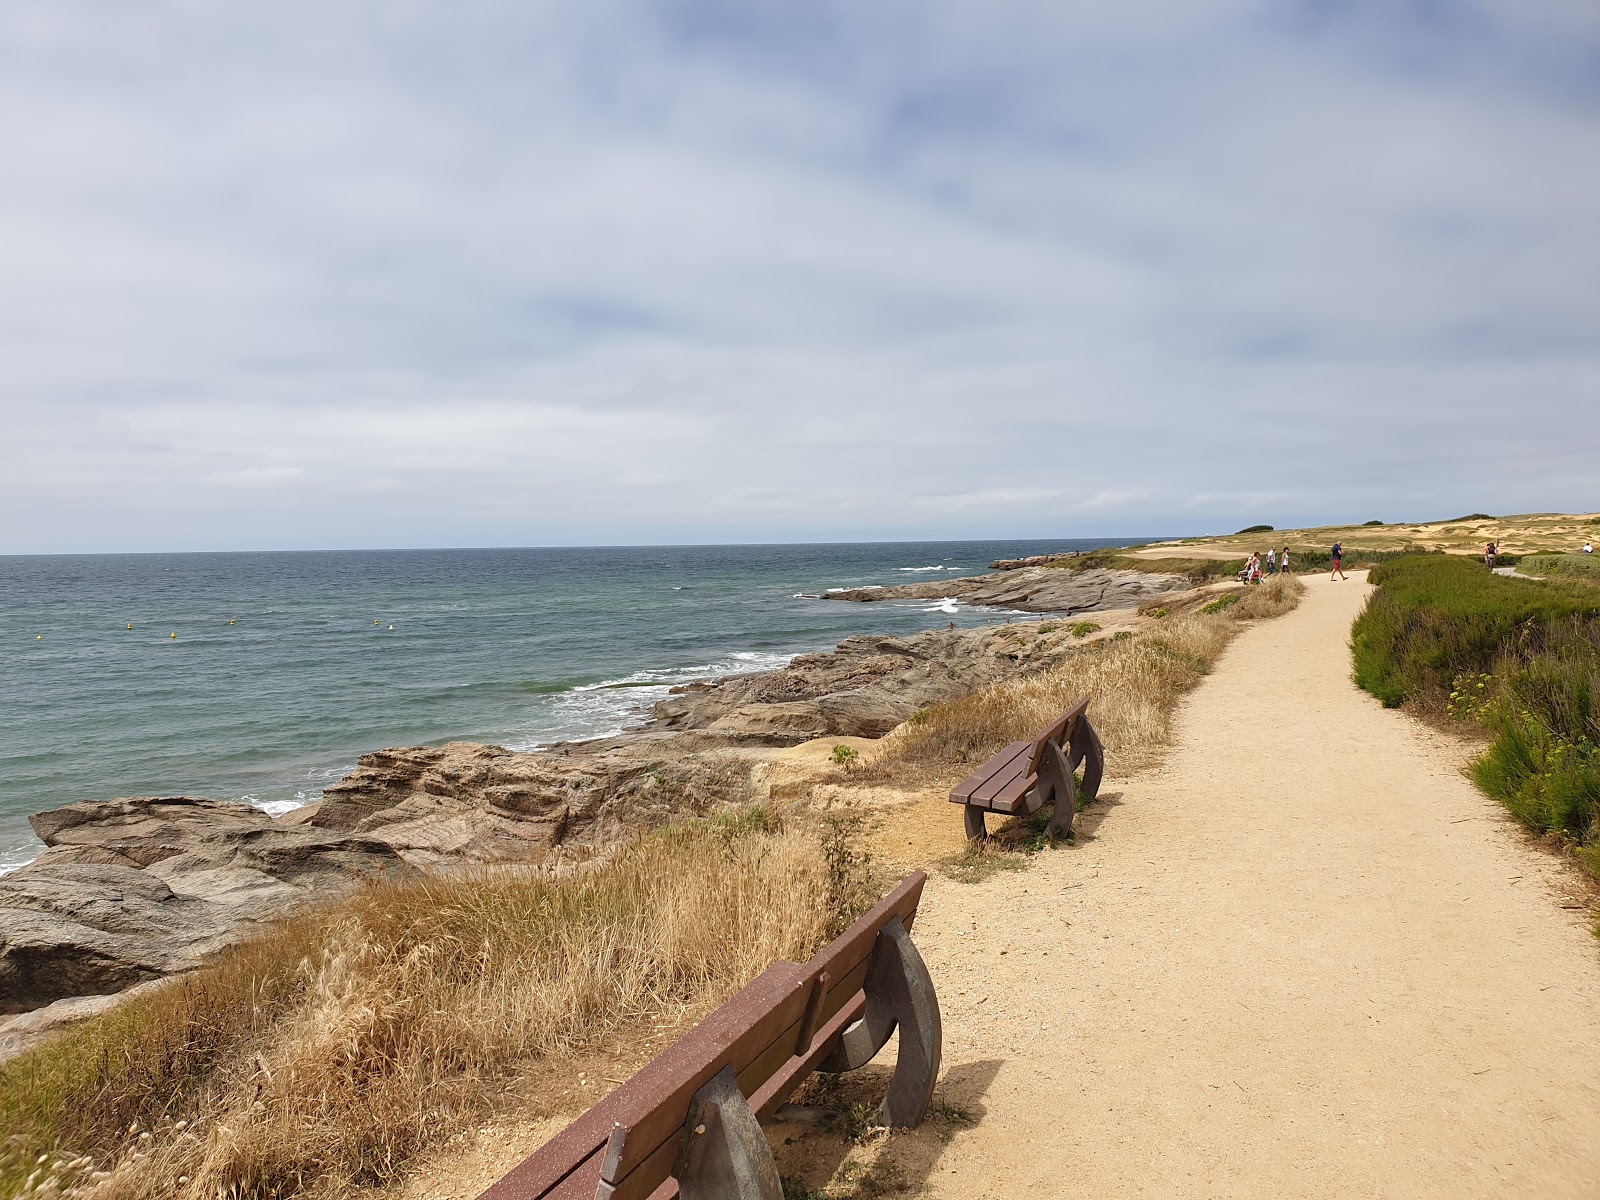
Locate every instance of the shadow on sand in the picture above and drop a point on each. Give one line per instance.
(848, 1158)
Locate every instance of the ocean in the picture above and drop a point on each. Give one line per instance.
(286, 666)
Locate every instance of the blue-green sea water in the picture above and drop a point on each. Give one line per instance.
(287, 666)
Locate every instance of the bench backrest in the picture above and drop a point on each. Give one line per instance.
(768, 1033)
(1059, 732)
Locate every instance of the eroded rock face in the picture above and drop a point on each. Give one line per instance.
(864, 688)
(466, 802)
(76, 929)
(1034, 589)
(139, 888)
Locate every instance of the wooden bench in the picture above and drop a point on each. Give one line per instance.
(688, 1123)
(1025, 776)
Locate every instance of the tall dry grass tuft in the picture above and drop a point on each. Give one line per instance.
(1133, 685)
(327, 1054)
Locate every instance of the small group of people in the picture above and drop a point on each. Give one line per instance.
(1256, 566)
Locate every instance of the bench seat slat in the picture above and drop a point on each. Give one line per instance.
(962, 792)
(1015, 799)
(1002, 779)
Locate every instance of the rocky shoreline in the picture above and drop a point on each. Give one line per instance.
(1027, 586)
(133, 890)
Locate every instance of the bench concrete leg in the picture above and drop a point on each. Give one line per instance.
(976, 830)
(899, 995)
(1086, 749)
(1055, 783)
(724, 1155)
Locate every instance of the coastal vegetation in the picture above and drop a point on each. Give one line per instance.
(1133, 683)
(1517, 659)
(1576, 566)
(328, 1053)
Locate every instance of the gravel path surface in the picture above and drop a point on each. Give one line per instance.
(1305, 958)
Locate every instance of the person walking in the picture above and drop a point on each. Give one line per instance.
(1489, 555)
(1338, 561)
(1283, 561)
(1272, 561)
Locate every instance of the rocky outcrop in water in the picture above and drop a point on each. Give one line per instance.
(1033, 589)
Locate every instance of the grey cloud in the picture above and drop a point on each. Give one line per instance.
(383, 275)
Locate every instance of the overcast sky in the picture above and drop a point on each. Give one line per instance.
(400, 274)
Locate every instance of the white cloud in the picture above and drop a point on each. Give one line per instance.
(386, 275)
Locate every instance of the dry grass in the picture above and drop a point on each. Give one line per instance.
(327, 1054)
(1133, 685)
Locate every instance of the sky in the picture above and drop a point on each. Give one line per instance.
(396, 274)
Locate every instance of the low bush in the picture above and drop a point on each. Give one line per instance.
(1254, 529)
(1578, 566)
(1520, 658)
(1083, 629)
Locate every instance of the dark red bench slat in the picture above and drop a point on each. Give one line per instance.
(961, 793)
(1003, 776)
(1014, 799)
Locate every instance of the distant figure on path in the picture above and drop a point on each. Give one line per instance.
(1338, 560)
(1283, 563)
(1587, 548)
(1272, 561)
(1489, 552)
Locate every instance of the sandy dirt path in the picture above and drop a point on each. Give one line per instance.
(1305, 958)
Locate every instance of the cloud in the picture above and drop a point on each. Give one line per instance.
(522, 274)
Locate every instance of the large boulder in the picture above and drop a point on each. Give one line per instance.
(139, 888)
(140, 830)
(87, 929)
(467, 803)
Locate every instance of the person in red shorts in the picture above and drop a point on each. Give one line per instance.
(1338, 556)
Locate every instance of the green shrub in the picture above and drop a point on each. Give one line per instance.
(1519, 657)
(1222, 602)
(1580, 566)
(1436, 616)
(1255, 529)
(844, 755)
(1084, 629)
(1372, 522)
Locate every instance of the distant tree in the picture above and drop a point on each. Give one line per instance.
(1372, 522)
(1256, 529)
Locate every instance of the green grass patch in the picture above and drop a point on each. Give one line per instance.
(1222, 603)
(1084, 628)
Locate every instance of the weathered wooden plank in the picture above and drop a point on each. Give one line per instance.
(739, 1033)
(841, 955)
(770, 1095)
(1005, 775)
(1014, 800)
(1059, 731)
(963, 790)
